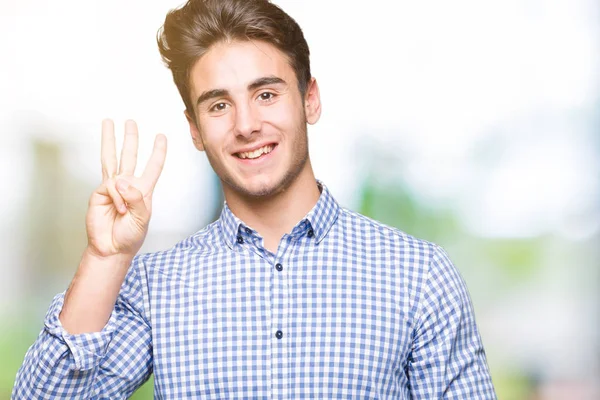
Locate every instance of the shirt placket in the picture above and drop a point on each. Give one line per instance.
(279, 312)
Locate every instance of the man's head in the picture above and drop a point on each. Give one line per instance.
(242, 69)
(190, 31)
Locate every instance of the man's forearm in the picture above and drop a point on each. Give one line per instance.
(92, 295)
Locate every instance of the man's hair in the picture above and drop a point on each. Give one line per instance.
(190, 31)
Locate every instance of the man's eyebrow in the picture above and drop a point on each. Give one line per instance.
(210, 94)
(264, 81)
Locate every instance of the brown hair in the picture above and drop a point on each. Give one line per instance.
(189, 32)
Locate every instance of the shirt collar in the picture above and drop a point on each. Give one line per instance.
(318, 220)
(323, 214)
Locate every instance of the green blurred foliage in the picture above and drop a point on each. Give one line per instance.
(518, 258)
(397, 206)
(14, 343)
(513, 386)
(145, 392)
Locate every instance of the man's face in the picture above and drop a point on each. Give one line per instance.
(251, 117)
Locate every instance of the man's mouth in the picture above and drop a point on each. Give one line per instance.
(255, 153)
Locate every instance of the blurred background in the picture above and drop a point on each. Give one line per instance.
(475, 125)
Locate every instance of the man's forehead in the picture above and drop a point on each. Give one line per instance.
(235, 65)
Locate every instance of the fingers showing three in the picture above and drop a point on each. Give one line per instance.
(128, 161)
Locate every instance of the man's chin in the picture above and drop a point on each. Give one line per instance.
(262, 191)
(264, 186)
(255, 190)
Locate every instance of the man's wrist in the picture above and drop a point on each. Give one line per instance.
(92, 257)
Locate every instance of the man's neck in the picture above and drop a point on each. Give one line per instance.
(277, 215)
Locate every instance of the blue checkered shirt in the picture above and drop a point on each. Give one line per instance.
(346, 308)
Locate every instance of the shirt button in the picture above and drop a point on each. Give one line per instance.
(278, 334)
(279, 267)
(240, 239)
(310, 233)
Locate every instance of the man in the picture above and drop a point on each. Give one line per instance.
(286, 295)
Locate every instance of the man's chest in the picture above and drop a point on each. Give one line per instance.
(315, 326)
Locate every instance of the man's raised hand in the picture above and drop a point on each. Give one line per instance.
(120, 208)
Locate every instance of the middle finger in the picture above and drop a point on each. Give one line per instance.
(130, 149)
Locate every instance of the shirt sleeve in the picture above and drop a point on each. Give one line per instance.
(447, 360)
(110, 364)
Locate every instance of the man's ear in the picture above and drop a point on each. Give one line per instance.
(194, 132)
(312, 102)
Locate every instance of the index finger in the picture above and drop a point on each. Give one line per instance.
(155, 163)
(108, 155)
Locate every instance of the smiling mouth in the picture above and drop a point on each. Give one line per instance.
(252, 155)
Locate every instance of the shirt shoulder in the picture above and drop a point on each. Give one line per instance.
(378, 233)
(415, 259)
(186, 254)
(420, 261)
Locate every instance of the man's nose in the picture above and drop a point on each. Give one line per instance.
(247, 120)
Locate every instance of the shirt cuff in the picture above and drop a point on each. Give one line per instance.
(88, 349)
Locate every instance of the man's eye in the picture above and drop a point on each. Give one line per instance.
(266, 96)
(219, 107)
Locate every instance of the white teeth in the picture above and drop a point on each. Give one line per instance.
(256, 153)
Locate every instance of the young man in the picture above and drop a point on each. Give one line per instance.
(286, 295)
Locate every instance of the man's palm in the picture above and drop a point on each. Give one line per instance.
(120, 208)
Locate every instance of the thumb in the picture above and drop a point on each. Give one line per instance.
(134, 199)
